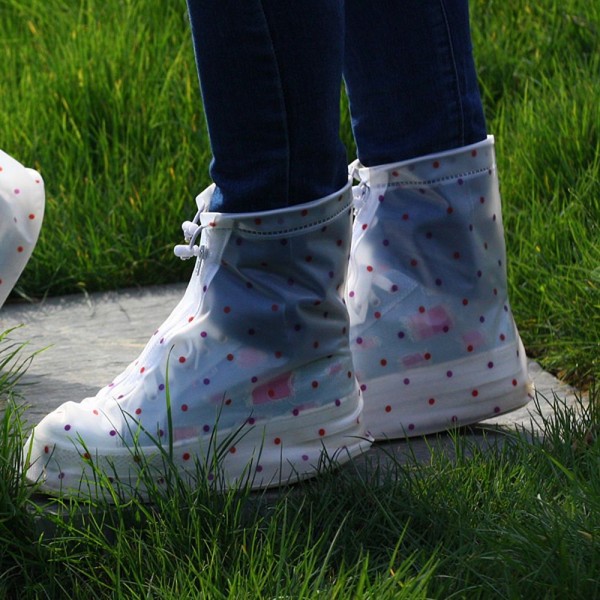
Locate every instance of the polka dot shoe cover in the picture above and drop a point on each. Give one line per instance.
(432, 335)
(21, 214)
(254, 363)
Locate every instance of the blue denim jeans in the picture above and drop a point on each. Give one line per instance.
(271, 72)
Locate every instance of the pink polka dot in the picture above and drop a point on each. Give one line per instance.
(17, 191)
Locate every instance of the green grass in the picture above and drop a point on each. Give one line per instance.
(520, 520)
(102, 98)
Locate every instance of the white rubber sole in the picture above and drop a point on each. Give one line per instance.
(445, 396)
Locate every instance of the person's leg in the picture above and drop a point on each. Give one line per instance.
(270, 73)
(251, 376)
(410, 78)
(433, 340)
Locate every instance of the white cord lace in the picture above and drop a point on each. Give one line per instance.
(191, 232)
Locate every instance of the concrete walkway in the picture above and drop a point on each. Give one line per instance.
(88, 339)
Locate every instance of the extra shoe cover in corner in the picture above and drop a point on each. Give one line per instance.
(254, 363)
(432, 335)
(21, 214)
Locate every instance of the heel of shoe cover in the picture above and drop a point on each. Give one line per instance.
(432, 335)
(21, 215)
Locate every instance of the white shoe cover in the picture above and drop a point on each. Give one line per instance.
(253, 365)
(21, 214)
(432, 335)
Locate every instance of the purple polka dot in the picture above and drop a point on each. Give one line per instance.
(61, 475)
(203, 334)
(496, 409)
(254, 379)
(482, 319)
(259, 469)
(438, 282)
(112, 432)
(406, 381)
(206, 381)
(411, 427)
(161, 387)
(67, 427)
(359, 340)
(206, 428)
(351, 294)
(394, 288)
(401, 334)
(338, 402)
(305, 457)
(449, 373)
(295, 412)
(490, 365)
(386, 242)
(460, 181)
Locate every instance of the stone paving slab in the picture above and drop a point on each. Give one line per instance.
(88, 339)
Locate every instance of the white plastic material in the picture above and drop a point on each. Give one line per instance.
(21, 215)
(251, 370)
(433, 339)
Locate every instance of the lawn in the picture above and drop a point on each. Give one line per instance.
(102, 98)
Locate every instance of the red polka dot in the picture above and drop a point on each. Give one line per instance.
(274, 307)
(257, 221)
(233, 450)
(304, 212)
(184, 407)
(414, 262)
(230, 357)
(190, 319)
(456, 255)
(388, 408)
(469, 348)
(465, 301)
(46, 449)
(142, 369)
(138, 411)
(449, 210)
(322, 432)
(227, 309)
(186, 456)
(427, 356)
(431, 401)
(473, 152)
(474, 393)
(421, 309)
(364, 226)
(31, 216)
(182, 359)
(405, 217)
(369, 268)
(436, 164)
(377, 314)
(277, 441)
(86, 456)
(315, 384)
(383, 362)
(502, 337)
(514, 382)
(20, 248)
